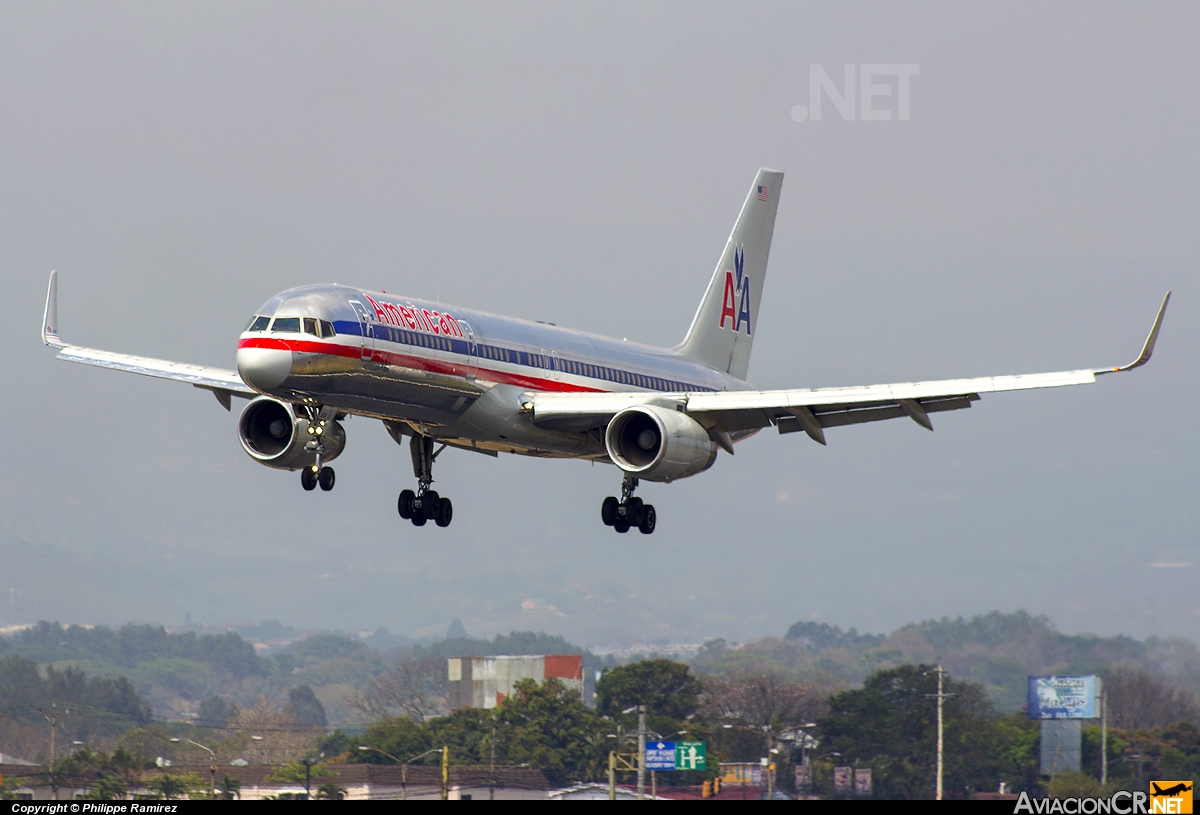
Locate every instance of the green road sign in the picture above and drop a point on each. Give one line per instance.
(691, 755)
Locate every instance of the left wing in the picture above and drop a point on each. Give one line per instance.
(812, 410)
(223, 383)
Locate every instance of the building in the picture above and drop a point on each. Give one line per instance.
(484, 682)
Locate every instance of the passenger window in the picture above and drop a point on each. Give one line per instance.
(286, 324)
(259, 323)
(310, 326)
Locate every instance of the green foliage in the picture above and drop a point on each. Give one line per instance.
(890, 724)
(294, 772)
(819, 636)
(172, 787)
(330, 792)
(133, 644)
(548, 727)
(326, 646)
(100, 707)
(230, 788)
(337, 743)
(400, 737)
(147, 742)
(666, 688)
(305, 707)
(215, 712)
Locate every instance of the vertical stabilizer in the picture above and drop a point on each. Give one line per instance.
(723, 329)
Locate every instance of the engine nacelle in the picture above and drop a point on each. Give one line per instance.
(658, 444)
(272, 433)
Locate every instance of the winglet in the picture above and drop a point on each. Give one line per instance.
(50, 317)
(1148, 348)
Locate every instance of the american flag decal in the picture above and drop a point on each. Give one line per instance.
(762, 193)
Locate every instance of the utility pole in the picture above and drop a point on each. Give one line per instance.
(53, 719)
(941, 698)
(492, 746)
(612, 774)
(1103, 733)
(445, 773)
(641, 757)
(768, 765)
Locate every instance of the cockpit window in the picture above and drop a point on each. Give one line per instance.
(310, 327)
(327, 329)
(259, 323)
(288, 324)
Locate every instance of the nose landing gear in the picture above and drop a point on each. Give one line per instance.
(310, 477)
(425, 504)
(628, 512)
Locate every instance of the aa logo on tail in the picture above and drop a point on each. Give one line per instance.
(1171, 797)
(735, 301)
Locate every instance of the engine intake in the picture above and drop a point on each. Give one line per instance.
(272, 433)
(658, 444)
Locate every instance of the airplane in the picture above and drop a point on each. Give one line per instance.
(1170, 792)
(444, 376)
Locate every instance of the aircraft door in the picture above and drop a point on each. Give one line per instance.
(364, 319)
(472, 350)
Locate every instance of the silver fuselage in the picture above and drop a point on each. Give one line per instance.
(450, 373)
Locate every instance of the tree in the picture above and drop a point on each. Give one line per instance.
(547, 726)
(1139, 701)
(230, 788)
(175, 786)
(215, 712)
(397, 736)
(331, 792)
(416, 686)
(666, 688)
(890, 724)
(305, 707)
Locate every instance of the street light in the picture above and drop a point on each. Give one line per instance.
(403, 765)
(212, 785)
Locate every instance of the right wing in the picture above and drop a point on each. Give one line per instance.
(811, 410)
(223, 383)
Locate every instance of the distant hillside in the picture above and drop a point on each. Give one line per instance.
(179, 672)
(998, 650)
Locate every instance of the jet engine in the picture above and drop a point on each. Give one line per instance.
(658, 444)
(272, 433)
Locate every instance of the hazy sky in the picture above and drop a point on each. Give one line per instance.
(583, 163)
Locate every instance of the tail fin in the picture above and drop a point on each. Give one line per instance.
(723, 329)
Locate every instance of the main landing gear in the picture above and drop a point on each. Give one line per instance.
(629, 511)
(316, 474)
(425, 504)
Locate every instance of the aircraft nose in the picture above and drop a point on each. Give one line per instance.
(264, 368)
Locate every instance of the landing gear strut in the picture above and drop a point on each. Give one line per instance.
(629, 511)
(425, 504)
(310, 477)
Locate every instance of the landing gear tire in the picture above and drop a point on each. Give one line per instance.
(635, 510)
(405, 505)
(430, 503)
(308, 479)
(418, 520)
(326, 478)
(608, 510)
(649, 519)
(445, 513)
(621, 525)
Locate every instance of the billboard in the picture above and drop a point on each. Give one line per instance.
(1063, 697)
